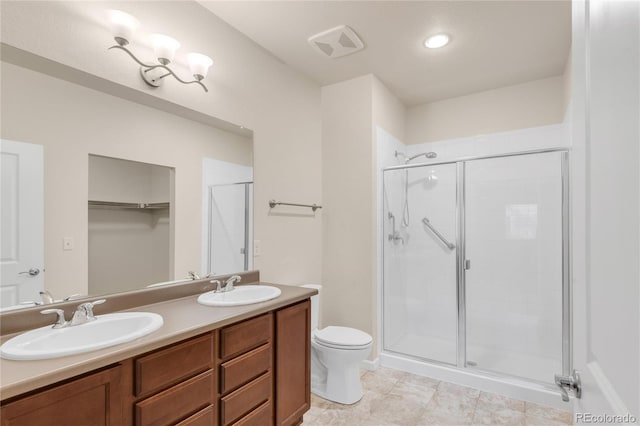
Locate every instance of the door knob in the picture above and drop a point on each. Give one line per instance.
(32, 272)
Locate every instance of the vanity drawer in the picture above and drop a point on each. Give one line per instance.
(261, 416)
(169, 366)
(245, 368)
(245, 399)
(177, 402)
(239, 338)
(205, 417)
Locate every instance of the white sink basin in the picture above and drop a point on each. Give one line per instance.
(240, 295)
(107, 330)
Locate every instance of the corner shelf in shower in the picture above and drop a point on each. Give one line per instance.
(95, 204)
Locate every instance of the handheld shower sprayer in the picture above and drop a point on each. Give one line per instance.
(405, 210)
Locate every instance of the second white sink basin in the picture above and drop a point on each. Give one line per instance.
(107, 330)
(240, 295)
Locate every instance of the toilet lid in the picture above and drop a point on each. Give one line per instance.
(342, 336)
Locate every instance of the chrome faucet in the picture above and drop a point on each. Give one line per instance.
(60, 321)
(228, 285)
(195, 276)
(46, 297)
(83, 314)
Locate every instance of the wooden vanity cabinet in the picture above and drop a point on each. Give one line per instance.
(293, 375)
(246, 372)
(93, 399)
(175, 385)
(252, 373)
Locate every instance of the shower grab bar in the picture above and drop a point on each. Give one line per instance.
(438, 234)
(273, 203)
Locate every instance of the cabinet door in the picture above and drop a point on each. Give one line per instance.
(293, 352)
(94, 400)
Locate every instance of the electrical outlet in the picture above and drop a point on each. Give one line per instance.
(257, 249)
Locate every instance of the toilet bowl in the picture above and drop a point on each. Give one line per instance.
(336, 354)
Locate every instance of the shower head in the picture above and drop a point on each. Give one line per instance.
(429, 154)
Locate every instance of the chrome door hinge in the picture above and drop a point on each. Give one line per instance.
(467, 265)
(569, 383)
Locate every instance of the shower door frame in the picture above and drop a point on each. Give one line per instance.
(567, 347)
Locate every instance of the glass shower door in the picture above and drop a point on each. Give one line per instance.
(514, 286)
(230, 228)
(420, 290)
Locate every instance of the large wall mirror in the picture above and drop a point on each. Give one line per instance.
(103, 195)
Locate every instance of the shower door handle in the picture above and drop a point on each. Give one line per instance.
(467, 264)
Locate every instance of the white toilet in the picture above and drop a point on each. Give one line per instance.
(336, 354)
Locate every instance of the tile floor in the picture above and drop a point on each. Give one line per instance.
(393, 397)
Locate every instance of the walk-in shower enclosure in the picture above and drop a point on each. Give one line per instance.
(475, 264)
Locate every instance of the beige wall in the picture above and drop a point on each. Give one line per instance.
(351, 112)
(247, 86)
(530, 104)
(347, 158)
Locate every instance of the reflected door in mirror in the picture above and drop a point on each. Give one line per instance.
(22, 219)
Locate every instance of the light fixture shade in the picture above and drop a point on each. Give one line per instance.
(123, 26)
(164, 47)
(199, 64)
(436, 41)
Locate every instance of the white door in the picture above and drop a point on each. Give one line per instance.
(606, 208)
(22, 223)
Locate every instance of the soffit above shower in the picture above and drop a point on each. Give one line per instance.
(493, 43)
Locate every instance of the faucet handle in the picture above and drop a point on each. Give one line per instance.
(218, 285)
(88, 307)
(73, 296)
(60, 321)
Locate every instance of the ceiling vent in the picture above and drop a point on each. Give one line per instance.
(336, 42)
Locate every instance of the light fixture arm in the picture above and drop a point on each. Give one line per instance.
(149, 67)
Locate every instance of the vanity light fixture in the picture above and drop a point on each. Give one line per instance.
(124, 25)
(436, 41)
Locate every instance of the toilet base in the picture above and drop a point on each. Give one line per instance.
(335, 373)
(342, 387)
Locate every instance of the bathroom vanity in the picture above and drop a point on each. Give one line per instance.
(246, 365)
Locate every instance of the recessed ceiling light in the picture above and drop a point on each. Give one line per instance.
(437, 40)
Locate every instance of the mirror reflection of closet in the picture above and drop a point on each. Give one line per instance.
(130, 224)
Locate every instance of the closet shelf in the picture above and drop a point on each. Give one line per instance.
(95, 204)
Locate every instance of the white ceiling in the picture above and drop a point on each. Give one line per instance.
(493, 43)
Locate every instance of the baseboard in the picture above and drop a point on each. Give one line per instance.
(370, 365)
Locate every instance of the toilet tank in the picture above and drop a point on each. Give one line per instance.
(315, 306)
